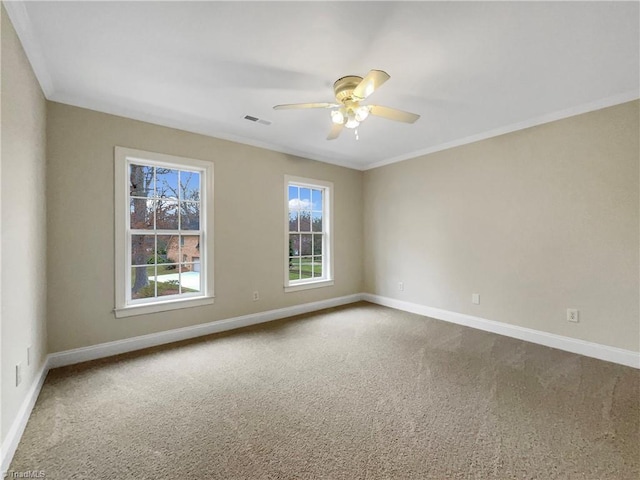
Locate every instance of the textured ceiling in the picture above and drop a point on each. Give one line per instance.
(471, 70)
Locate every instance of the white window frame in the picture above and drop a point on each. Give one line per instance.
(327, 254)
(123, 307)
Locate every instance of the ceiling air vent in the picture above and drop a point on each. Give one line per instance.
(257, 120)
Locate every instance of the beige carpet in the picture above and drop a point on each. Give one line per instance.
(359, 392)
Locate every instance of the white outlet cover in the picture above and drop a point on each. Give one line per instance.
(573, 315)
(475, 298)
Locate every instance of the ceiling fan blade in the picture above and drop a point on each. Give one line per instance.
(305, 105)
(368, 85)
(336, 128)
(393, 114)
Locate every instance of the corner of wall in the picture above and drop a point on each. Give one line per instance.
(23, 225)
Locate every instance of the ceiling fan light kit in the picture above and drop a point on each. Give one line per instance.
(349, 92)
(350, 116)
(337, 117)
(362, 112)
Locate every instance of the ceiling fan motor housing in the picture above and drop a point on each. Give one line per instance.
(348, 113)
(344, 87)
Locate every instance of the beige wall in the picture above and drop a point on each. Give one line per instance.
(23, 222)
(248, 227)
(536, 221)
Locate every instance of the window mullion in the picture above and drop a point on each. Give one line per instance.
(196, 207)
(303, 195)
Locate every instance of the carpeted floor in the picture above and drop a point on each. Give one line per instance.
(357, 392)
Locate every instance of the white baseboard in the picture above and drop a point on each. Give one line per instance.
(69, 357)
(77, 355)
(11, 441)
(589, 349)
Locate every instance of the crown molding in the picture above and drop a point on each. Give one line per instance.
(184, 123)
(181, 124)
(514, 127)
(17, 11)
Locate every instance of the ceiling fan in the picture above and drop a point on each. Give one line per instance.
(349, 92)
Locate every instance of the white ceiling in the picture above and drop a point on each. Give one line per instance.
(470, 69)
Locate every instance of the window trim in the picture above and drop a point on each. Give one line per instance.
(328, 278)
(122, 157)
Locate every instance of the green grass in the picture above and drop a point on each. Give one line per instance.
(164, 289)
(162, 270)
(307, 267)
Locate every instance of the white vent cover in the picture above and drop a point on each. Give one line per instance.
(257, 120)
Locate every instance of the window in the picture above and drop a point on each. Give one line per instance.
(163, 246)
(308, 244)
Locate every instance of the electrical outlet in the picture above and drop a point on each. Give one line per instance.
(29, 355)
(256, 296)
(18, 374)
(475, 298)
(401, 286)
(573, 315)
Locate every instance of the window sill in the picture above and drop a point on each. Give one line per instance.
(308, 286)
(145, 309)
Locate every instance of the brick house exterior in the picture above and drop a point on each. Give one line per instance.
(190, 252)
